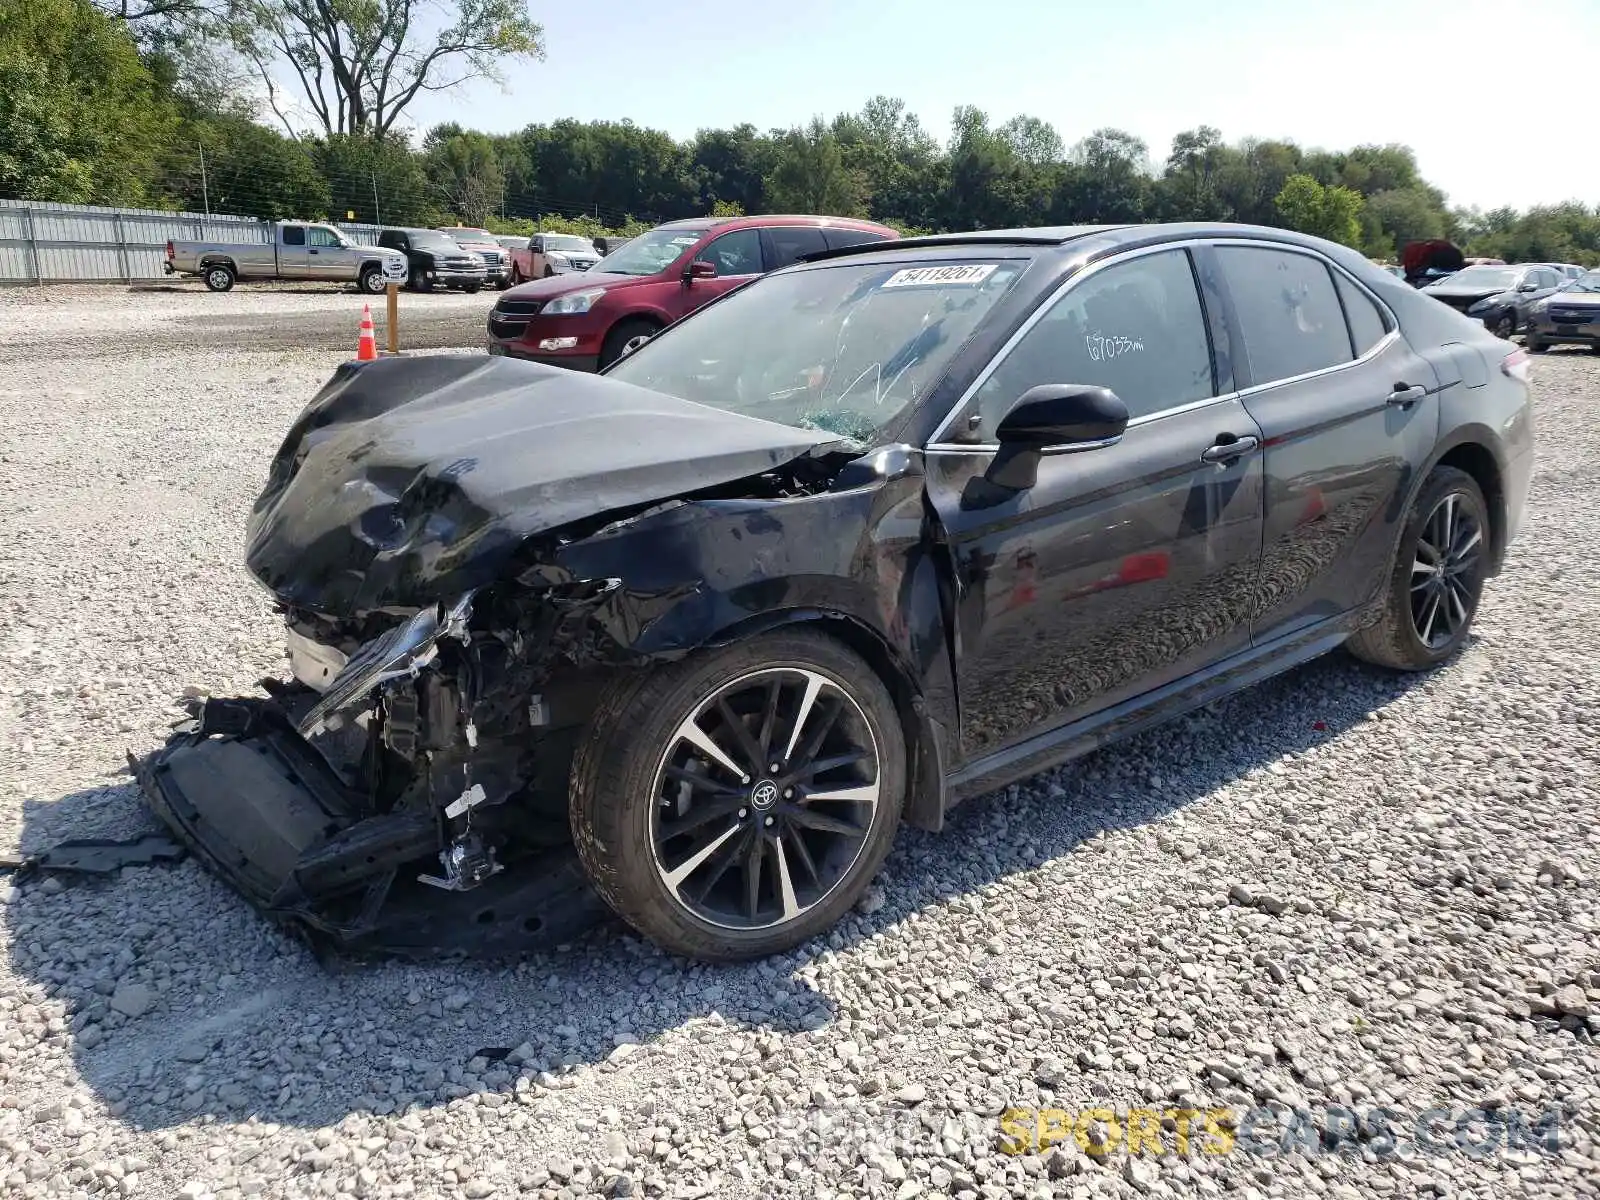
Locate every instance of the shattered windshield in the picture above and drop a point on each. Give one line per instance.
(846, 348)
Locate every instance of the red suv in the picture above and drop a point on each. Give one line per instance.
(587, 320)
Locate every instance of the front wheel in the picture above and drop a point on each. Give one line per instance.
(372, 281)
(472, 289)
(1532, 344)
(626, 337)
(736, 803)
(1505, 325)
(1437, 578)
(419, 281)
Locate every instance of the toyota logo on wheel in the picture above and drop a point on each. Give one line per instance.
(765, 794)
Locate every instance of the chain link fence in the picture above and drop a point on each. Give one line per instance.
(77, 243)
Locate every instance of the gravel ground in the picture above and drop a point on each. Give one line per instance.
(1341, 888)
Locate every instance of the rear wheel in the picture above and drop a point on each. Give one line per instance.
(734, 804)
(1437, 578)
(626, 337)
(219, 277)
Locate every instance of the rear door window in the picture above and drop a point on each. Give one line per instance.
(294, 235)
(1367, 325)
(1288, 311)
(789, 242)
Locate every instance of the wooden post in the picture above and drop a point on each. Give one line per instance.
(394, 318)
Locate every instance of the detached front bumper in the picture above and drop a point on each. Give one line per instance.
(260, 807)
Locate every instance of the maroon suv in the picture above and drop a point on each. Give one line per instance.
(587, 320)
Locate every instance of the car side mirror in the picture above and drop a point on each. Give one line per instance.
(699, 269)
(1054, 418)
(1528, 286)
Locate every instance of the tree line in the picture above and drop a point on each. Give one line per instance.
(158, 103)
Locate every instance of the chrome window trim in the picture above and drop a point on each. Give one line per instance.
(1391, 335)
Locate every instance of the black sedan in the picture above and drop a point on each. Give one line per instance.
(1569, 316)
(1466, 288)
(866, 537)
(1505, 314)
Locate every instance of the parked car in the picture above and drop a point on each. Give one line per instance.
(297, 251)
(1571, 270)
(609, 244)
(547, 254)
(1504, 313)
(868, 536)
(496, 261)
(1468, 286)
(435, 260)
(1569, 316)
(587, 321)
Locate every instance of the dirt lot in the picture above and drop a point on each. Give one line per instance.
(1341, 889)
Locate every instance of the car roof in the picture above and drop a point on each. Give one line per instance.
(1104, 239)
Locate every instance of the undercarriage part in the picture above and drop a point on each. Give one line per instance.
(97, 856)
(261, 807)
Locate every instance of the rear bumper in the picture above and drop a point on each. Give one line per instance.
(266, 813)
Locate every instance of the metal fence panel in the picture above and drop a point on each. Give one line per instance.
(79, 243)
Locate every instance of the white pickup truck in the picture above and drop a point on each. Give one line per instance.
(297, 251)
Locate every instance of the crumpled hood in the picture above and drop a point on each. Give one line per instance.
(411, 480)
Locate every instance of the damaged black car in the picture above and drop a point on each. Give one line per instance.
(866, 537)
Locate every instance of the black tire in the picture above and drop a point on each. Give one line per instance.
(621, 334)
(219, 277)
(1405, 638)
(472, 289)
(372, 281)
(419, 281)
(549, 273)
(1505, 325)
(516, 277)
(624, 787)
(503, 283)
(1532, 344)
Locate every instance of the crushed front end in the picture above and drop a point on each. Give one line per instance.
(406, 792)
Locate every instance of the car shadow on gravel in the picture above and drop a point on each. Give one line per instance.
(181, 1001)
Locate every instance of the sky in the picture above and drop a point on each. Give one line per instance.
(1472, 87)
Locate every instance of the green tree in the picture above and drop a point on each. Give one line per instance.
(81, 118)
(1326, 212)
(359, 64)
(810, 175)
(1408, 214)
(380, 180)
(249, 169)
(465, 172)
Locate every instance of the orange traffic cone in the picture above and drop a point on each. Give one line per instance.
(367, 347)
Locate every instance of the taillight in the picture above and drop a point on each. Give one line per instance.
(169, 249)
(1518, 365)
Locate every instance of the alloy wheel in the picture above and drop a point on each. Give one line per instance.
(633, 343)
(764, 798)
(1445, 570)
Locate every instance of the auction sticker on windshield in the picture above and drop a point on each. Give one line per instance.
(966, 273)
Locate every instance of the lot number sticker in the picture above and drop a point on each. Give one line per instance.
(967, 274)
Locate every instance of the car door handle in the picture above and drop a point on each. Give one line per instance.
(1404, 394)
(1228, 450)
